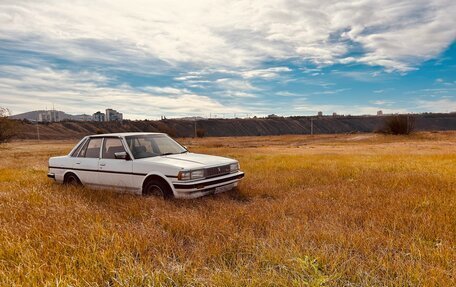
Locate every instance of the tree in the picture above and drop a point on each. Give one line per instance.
(200, 133)
(399, 125)
(8, 127)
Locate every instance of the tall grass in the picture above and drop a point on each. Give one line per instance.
(367, 210)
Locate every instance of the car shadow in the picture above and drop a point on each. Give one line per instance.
(116, 198)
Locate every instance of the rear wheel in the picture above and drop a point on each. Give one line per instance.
(157, 187)
(72, 180)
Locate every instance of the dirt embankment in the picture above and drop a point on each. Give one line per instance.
(231, 127)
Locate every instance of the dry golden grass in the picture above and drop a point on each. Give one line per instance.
(334, 210)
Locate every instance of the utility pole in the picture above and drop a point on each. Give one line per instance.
(195, 128)
(311, 126)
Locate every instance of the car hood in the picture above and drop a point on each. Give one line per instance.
(189, 160)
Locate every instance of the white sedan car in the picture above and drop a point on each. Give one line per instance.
(144, 163)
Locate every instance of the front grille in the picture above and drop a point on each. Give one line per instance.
(216, 171)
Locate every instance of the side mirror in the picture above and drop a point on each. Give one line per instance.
(185, 147)
(122, 155)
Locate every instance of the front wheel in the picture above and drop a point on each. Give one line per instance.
(157, 188)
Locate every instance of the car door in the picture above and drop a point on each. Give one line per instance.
(114, 172)
(86, 163)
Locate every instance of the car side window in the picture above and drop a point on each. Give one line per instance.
(111, 146)
(78, 149)
(92, 149)
(83, 149)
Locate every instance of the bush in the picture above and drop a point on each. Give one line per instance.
(8, 127)
(200, 133)
(399, 125)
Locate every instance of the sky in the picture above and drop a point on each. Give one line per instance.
(171, 58)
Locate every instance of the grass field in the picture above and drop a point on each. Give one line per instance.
(333, 210)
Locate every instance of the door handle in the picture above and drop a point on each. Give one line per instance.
(78, 163)
(102, 164)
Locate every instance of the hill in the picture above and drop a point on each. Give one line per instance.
(33, 115)
(232, 127)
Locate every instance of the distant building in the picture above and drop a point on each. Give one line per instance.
(320, 114)
(83, 118)
(334, 114)
(43, 117)
(49, 116)
(273, 116)
(113, 115)
(98, 117)
(380, 113)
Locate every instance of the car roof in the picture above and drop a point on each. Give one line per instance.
(124, 134)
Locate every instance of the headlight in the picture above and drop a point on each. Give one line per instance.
(194, 174)
(234, 167)
(197, 174)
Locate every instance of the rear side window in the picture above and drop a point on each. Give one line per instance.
(111, 146)
(83, 150)
(92, 149)
(78, 149)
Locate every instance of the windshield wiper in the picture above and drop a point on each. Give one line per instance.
(170, 153)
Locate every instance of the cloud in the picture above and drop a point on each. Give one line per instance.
(86, 92)
(247, 74)
(382, 103)
(234, 84)
(268, 73)
(344, 109)
(242, 94)
(192, 78)
(190, 58)
(433, 91)
(396, 35)
(360, 76)
(444, 104)
(330, 92)
(166, 90)
(445, 83)
(288, 94)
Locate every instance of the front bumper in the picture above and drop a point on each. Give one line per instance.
(51, 175)
(199, 188)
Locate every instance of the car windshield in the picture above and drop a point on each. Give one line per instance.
(142, 146)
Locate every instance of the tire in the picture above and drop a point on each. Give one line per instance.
(154, 187)
(72, 180)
